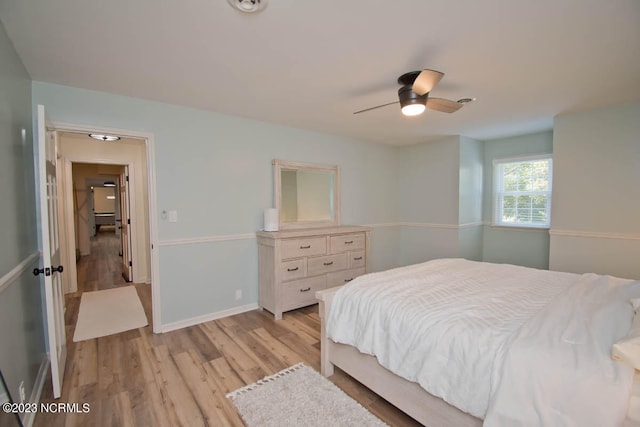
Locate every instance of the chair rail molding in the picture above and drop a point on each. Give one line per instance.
(18, 270)
(594, 234)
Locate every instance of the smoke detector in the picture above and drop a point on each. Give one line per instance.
(248, 5)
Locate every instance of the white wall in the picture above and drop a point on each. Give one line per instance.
(104, 200)
(595, 216)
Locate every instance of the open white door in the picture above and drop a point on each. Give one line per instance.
(125, 224)
(51, 268)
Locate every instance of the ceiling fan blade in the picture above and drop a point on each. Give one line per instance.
(426, 81)
(378, 106)
(444, 105)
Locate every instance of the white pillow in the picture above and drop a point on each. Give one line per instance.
(627, 350)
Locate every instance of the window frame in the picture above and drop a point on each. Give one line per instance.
(499, 193)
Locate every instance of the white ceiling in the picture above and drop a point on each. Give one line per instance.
(311, 64)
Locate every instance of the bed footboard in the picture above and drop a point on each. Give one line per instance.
(408, 396)
(325, 297)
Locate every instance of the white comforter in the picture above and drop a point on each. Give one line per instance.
(573, 381)
(449, 324)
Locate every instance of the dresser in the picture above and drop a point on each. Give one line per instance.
(294, 264)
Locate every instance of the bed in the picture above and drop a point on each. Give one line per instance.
(458, 342)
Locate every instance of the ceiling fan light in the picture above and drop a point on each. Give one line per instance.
(411, 103)
(413, 109)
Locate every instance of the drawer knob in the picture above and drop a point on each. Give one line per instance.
(328, 263)
(358, 258)
(349, 242)
(305, 290)
(293, 269)
(305, 247)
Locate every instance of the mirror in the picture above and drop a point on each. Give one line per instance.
(306, 195)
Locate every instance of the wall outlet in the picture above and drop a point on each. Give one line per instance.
(21, 392)
(173, 216)
(238, 294)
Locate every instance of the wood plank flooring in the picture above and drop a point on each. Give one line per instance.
(180, 378)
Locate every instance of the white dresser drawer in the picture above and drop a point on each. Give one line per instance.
(340, 278)
(356, 259)
(294, 264)
(294, 269)
(295, 248)
(326, 264)
(347, 242)
(301, 292)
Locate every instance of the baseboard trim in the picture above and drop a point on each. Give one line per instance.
(208, 317)
(36, 393)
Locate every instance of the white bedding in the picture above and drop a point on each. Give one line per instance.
(448, 324)
(573, 381)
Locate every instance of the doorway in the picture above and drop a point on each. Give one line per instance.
(128, 161)
(101, 225)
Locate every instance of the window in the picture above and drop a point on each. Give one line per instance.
(522, 189)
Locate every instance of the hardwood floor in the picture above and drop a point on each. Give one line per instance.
(180, 378)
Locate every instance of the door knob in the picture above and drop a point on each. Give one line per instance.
(45, 271)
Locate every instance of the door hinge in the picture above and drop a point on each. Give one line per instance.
(128, 221)
(127, 178)
(130, 264)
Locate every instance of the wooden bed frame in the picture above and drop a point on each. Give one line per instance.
(406, 395)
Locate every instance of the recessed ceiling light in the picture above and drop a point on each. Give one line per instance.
(248, 5)
(102, 137)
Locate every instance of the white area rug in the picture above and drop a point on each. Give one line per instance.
(299, 396)
(109, 312)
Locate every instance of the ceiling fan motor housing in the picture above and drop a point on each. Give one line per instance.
(408, 96)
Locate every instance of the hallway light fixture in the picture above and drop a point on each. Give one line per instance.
(109, 184)
(103, 137)
(248, 5)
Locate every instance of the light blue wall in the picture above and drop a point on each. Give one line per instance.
(470, 190)
(470, 194)
(596, 193)
(428, 178)
(216, 172)
(515, 246)
(22, 344)
(440, 187)
(428, 182)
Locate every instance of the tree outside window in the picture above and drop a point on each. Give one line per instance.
(522, 189)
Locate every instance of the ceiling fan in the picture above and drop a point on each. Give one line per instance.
(414, 94)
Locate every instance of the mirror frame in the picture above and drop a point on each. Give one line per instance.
(279, 165)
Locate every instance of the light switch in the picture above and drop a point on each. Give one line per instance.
(173, 216)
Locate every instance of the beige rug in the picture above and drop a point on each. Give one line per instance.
(109, 312)
(299, 396)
